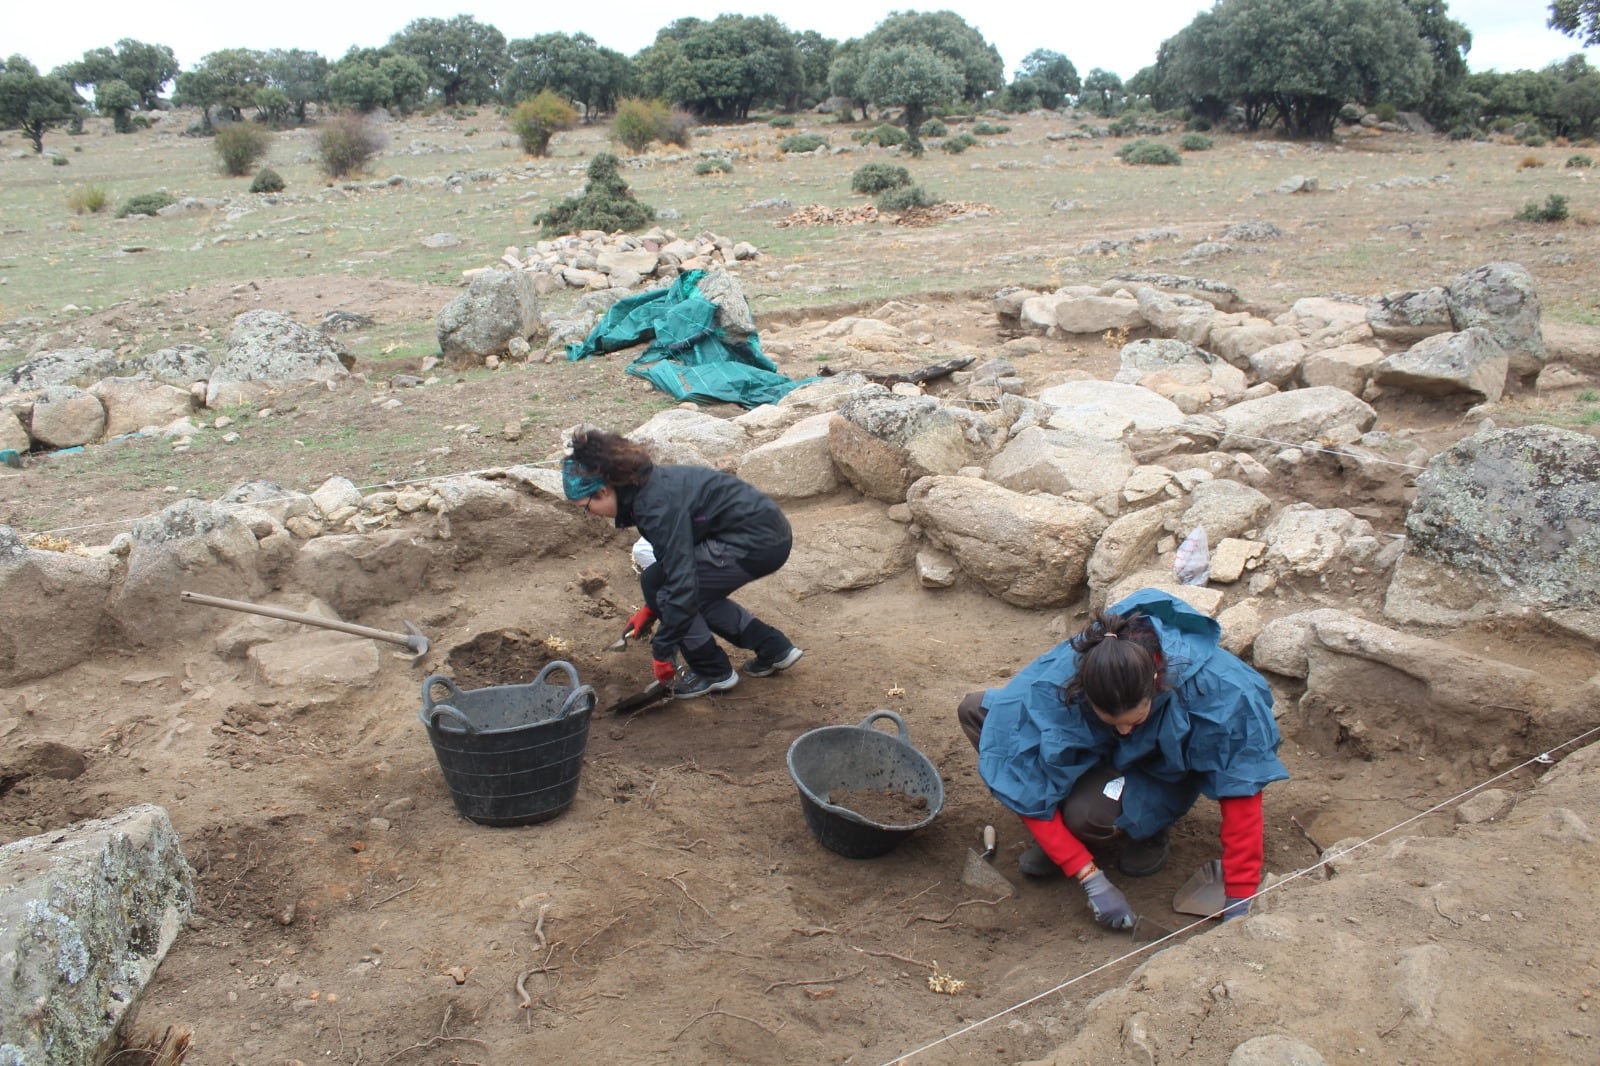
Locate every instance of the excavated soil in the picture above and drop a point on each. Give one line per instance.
(680, 910)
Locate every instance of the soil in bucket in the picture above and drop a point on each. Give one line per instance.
(885, 806)
(501, 657)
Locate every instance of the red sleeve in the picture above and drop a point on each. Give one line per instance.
(1241, 845)
(1064, 849)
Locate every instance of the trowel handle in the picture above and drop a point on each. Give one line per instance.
(988, 841)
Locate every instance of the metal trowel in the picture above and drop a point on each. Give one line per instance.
(980, 872)
(1203, 894)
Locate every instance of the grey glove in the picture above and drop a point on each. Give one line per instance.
(1236, 907)
(1110, 906)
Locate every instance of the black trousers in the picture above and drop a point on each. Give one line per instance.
(719, 572)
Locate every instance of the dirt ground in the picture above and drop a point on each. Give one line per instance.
(680, 910)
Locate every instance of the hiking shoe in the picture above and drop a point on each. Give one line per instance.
(759, 667)
(1035, 863)
(1141, 858)
(690, 684)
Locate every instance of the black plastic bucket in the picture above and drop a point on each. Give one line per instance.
(861, 758)
(510, 754)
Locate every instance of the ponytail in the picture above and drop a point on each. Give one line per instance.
(1119, 663)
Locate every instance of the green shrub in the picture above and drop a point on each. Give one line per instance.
(905, 198)
(1195, 142)
(1147, 153)
(933, 128)
(1580, 161)
(1534, 140)
(146, 203)
(1198, 123)
(714, 165)
(59, 161)
(345, 145)
(239, 146)
(885, 135)
(87, 199)
(1502, 124)
(802, 142)
(1387, 112)
(1554, 209)
(874, 178)
(638, 122)
(985, 129)
(782, 122)
(1463, 132)
(607, 204)
(959, 143)
(540, 118)
(267, 180)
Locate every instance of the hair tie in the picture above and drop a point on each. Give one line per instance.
(1111, 636)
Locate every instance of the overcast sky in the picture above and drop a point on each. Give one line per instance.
(1122, 37)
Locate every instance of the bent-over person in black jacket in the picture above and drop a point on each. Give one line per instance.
(712, 534)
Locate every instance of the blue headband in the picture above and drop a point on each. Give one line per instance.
(577, 482)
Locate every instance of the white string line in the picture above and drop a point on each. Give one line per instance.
(544, 462)
(1542, 757)
(297, 496)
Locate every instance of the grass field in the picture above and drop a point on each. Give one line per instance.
(1364, 231)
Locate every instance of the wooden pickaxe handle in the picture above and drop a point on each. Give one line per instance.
(412, 639)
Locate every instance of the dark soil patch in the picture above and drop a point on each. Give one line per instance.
(885, 806)
(502, 657)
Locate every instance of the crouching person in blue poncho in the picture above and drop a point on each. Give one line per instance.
(1104, 741)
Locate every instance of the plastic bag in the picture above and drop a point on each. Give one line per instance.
(643, 555)
(1192, 564)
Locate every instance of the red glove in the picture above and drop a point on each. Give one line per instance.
(666, 670)
(638, 622)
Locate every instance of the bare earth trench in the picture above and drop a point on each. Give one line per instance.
(681, 911)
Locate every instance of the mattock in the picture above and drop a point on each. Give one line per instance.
(412, 638)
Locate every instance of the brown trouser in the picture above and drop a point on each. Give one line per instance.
(1090, 814)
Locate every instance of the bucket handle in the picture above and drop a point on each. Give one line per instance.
(578, 691)
(426, 714)
(866, 723)
(583, 692)
(444, 710)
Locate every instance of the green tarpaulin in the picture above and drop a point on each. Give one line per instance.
(689, 357)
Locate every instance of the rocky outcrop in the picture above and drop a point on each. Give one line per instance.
(498, 307)
(1030, 551)
(1501, 298)
(54, 603)
(269, 351)
(86, 915)
(1518, 507)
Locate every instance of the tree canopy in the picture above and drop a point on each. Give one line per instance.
(946, 33)
(33, 102)
(724, 67)
(1047, 75)
(463, 58)
(144, 68)
(1577, 18)
(572, 66)
(1299, 61)
(913, 77)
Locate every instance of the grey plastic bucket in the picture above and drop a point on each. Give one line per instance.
(861, 758)
(510, 754)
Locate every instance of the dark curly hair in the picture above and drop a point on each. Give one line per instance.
(611, 457)
(1119, 663)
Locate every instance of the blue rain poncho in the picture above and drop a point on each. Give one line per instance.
(1212, 733)
(690, 357)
